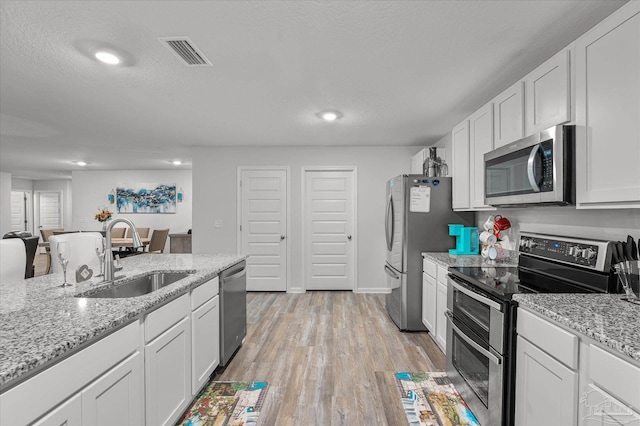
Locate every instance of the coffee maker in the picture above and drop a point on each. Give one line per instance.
(466, 239)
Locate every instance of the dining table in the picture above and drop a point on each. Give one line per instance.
(128, 242)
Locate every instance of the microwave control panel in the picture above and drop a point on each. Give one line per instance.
(578, 252)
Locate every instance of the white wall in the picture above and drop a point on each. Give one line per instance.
(18, 184)
(568, 221)
(90, 190)
(5, 203)
(215, 174)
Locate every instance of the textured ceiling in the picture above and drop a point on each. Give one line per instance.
(402, 72)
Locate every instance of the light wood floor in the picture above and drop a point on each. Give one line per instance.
(329, 358)
(40, 264)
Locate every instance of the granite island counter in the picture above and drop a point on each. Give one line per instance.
(42, 323)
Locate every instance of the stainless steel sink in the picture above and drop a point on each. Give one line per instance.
(139, 286)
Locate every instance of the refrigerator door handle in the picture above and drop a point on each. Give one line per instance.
(390, 272)
(389, 224)
(397, 283)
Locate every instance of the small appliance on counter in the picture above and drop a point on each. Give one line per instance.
(466, 239)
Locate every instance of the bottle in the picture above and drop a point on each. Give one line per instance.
(431, 170)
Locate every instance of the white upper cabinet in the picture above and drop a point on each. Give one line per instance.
(508, 114)
(417, 162)
(480, 142)
(548, 94)
(608, 112)
(460, 166)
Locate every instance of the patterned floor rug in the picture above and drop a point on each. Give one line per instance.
(430, 399)
(227, 403)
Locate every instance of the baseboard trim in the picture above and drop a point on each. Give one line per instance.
(373, 290)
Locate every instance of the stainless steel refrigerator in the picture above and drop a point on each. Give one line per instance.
(417, 217)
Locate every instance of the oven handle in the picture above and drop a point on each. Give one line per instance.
(493, 358)
(476, 296)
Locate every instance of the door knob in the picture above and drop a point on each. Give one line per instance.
(281, 237)
(349, 237)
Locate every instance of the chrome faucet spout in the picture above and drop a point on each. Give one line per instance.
(109, 268)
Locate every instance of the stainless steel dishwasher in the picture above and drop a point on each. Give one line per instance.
(233, 310)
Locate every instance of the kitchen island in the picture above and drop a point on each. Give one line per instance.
(43, 325)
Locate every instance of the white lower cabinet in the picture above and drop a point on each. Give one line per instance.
(67, 413)
(429, 289)
(55, 395)
(116, 398)
(546, 390)
(205, 337)
(434, 301)
(567, 378)
(441, 319)
(167, 373)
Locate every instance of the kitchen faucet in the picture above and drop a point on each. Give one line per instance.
(109, 267)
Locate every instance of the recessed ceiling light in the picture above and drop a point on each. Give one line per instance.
(330, 115)
(81, 163)
(107, 57)
(176, 162)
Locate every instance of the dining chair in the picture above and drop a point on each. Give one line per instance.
(13, 260)
(46, 233)
(31, 245)
(158, 240)
(82, 251)
(143, 232)
(118, 232)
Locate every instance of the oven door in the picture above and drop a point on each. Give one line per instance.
(476, 370)
(483, 316)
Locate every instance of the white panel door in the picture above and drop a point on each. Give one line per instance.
(329, 230)
(49, 209)
(19, 211)
(263, 228)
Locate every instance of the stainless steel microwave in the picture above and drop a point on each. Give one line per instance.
(538, 169)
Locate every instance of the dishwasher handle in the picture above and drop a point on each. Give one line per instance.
(235, 276)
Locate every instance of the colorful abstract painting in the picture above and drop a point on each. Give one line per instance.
(228, 404)
(146, 198)
(430, 399)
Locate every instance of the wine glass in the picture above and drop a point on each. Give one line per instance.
(63, 258)
(100, 246)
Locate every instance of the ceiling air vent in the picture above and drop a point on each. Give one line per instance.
(185, 50)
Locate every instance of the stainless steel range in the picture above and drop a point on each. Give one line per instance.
(482, 317)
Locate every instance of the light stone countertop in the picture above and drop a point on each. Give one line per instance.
(602, 317)
(445, 259)
(40, 322)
